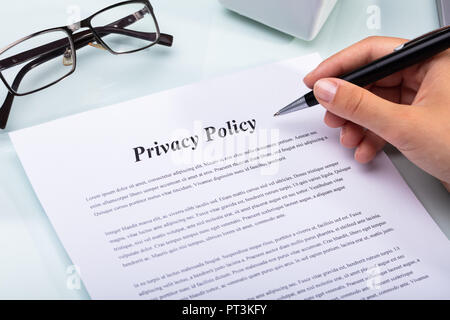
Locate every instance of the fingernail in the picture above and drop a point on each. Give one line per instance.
(325, 90)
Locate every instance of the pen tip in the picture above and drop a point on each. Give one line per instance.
(276, 114)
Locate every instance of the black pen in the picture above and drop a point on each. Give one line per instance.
(404, 56)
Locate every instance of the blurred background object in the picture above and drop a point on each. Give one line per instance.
(300, 18)
(444, 12)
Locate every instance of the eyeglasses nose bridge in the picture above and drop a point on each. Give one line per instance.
(68, 58)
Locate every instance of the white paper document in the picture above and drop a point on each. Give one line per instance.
(200, 193)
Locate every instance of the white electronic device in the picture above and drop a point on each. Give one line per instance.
(300, 18)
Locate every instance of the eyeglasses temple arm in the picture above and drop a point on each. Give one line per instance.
(5, 110)
(165, 40)
(7, 104)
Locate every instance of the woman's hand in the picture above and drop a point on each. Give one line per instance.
(409, 109)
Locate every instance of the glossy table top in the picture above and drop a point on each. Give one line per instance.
(209, 41)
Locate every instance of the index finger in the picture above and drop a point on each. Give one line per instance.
(355, 56)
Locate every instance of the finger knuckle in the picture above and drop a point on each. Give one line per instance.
(355, 103)
(372, 39)
(402, 134)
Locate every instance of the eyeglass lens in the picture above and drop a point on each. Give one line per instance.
(49, 66)
(136, 30)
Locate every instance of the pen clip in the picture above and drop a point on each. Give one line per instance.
(422, 37)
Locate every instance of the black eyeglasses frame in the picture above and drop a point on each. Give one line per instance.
(77, 41)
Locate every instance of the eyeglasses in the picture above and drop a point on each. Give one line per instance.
(44, 58)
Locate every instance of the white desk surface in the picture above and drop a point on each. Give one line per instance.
(209, 41)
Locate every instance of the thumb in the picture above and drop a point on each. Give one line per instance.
(358, 105)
